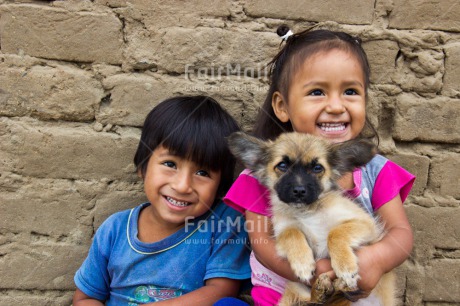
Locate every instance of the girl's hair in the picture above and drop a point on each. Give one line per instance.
(298, 48)
(191, 127)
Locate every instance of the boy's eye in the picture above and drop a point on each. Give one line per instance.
(316, 92)
(202, 173)
(169, 164)
(317, 169)
(282, 166)
(350, 92)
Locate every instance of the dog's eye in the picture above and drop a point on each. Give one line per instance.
(282, 166)
(317, 169)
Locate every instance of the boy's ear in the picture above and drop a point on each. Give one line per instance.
(279, 107)
(346, 156)
(249, 150)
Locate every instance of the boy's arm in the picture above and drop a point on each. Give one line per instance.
(81, 299)
(214, 289)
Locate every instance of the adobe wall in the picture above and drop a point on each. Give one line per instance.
(78, 77)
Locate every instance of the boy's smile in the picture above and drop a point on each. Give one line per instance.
(326, 97)
(177, 189)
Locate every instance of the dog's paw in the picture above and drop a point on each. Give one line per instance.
(347, 270)
(348, 280)
(304, 269)
(352, 294)
(322, 289)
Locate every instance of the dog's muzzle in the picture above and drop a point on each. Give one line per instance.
(292, 189)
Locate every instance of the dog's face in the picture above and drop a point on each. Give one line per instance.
(298, 168)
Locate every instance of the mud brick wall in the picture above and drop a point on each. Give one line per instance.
(78, 77)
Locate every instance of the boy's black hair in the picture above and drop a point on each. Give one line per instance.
(191, 127)
(298, 48)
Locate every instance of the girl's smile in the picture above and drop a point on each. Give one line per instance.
(326, 97)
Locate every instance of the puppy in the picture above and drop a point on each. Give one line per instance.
(311, 217)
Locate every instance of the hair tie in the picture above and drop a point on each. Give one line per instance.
(286, 36)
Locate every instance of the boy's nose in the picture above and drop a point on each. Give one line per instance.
(335, 105)
(182, 182)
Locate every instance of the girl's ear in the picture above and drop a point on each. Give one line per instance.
(279, 107)
(139, 174)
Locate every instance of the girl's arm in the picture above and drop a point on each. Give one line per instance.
(214, 289)
(263, 245)
(385, 255)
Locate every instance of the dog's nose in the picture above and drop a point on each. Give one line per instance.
(299, 191)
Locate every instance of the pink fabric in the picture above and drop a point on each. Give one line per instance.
(264, 296)
(355, 191)
(391, 181)
(264, 277)
(247, 193)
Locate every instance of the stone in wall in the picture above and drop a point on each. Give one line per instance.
(59, 92)
(420, 14)
(36, 297)
(436, 233)
(451, 86)
(179, 49)
(117, 197)
(43, 265)
(443, 180)
(382, 54)
(54, 33)
(132, 96)
(154, 15)
(417, 165)
(428, 120)
(315, 10)
(442, 281)
(55, 210)
(73, 151)
(419, 71)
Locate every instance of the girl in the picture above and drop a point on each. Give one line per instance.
(184, 247)
(319, 84)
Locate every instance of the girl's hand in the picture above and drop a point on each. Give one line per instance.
(323, 266)
(370, 271)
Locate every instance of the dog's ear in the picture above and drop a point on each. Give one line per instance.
(249, 150)
(346, 156)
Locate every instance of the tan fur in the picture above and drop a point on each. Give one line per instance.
(332, 226)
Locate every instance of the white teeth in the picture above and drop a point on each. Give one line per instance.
(177, 203)
(332, 127)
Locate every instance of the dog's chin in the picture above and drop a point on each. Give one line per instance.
(298, 202)
(298, 205)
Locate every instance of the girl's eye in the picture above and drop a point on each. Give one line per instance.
(202, 173)
(316, 92)
(169, 164)
(282, 166)
(350, 92)
(317, 169)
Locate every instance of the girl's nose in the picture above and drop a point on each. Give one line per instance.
(335, 105)
(182, 182)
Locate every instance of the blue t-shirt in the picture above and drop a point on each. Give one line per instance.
(122, 270)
